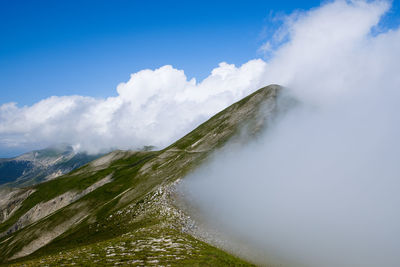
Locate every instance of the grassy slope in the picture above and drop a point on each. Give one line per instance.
(131, 219)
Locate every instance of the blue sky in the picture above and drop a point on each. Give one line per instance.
(88, 47)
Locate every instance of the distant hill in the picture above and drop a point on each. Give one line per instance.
(122, 208)
(41, 165)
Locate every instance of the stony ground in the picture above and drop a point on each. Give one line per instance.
(148, 247)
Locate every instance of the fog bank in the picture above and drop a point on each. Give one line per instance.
(321, 186)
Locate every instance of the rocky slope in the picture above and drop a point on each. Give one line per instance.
(121, 208)
(41, 165)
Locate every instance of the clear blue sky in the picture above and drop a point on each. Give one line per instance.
(88, 47)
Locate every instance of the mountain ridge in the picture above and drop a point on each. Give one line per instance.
(40, 165)
(135, 204)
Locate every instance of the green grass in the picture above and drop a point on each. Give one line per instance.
(148, 247)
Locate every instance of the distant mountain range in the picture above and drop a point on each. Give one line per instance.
(41, 165)
(122, 208)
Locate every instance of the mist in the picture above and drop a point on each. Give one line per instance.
(320, 186)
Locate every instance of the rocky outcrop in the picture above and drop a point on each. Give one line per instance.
(11, 200)
(105, 161)
(48, 235)
(44, 209)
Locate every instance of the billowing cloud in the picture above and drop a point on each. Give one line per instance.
(155, 107)
(320, 187)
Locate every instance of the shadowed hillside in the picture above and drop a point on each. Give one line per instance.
(41, 165)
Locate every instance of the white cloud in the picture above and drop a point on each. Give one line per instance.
(155, 107)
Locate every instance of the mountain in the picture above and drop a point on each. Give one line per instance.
(123, 208)
(41, 165)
